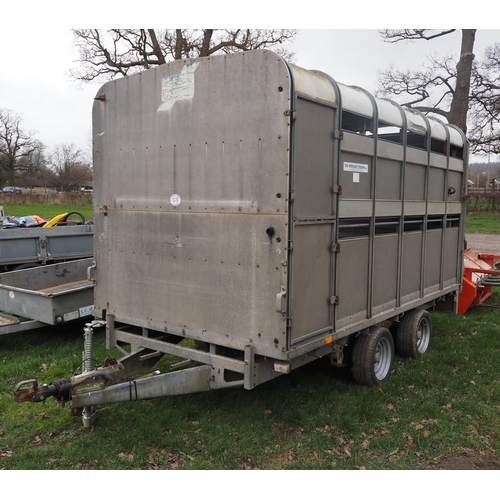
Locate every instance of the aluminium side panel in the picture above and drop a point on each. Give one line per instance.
(39, 244)
(48, 293)
(313, 221)
(191, 163)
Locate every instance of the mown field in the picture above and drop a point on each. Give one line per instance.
(47, 211)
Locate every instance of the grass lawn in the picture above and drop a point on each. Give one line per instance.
(47, 211)
(483, 223)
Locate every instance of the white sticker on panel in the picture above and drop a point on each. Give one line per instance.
(70, 316)
(175, 200)
(361, 168)
(174, 88)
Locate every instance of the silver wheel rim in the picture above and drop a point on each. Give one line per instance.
(382, 359)
(423, 336)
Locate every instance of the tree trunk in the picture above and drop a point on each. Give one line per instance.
(156, 46)
(460, 103)
(179, 42)
(205, 47)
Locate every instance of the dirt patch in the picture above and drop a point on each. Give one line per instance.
(469, 460)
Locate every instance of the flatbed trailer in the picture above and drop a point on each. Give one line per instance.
(269, 214)
(21, 248)
(39, 282)
(44, 296)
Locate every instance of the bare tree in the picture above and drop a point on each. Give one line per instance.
(18, 148)
(465, 92)
(485, 103)
(69, 164)
(442, 86)
(34, 164)
(105, 54)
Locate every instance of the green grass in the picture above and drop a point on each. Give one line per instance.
(47, 211)
(483, 223)
(314, 418)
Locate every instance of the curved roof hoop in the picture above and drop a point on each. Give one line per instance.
(404, 143)
(404, 120)
(375, 109)
(448, 136)
(336, 87)
(465, 141)
(375, 136)
(460, 131)
(428, 134)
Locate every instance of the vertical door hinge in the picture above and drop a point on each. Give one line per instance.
(337, 189)
(334, 300)
(291, 113)
(336, 247)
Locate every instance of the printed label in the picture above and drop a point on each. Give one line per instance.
(12, 295)
(86, 311)
(361, 168)
(71, 316)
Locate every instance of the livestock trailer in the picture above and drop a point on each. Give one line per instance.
(271, 215)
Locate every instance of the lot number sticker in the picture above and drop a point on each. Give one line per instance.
(175, 200)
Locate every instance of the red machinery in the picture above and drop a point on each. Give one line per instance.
(480, 275)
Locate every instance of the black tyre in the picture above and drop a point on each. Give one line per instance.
(414, 333)
(68, 222)
(372, 357)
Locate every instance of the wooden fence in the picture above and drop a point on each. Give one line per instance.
(49, 198)
(483, 201)
(478, 200)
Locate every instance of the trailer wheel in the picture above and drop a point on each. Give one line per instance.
(372, 357)
(414, 333)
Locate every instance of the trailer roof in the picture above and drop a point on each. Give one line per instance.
(321, 86)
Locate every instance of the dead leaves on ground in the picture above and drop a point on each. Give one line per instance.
(404, 439)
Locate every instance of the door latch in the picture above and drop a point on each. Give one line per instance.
(281, 300)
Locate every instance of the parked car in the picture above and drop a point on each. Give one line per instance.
(12, 190)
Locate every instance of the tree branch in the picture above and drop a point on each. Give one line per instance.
(394, 36)
(104, 54)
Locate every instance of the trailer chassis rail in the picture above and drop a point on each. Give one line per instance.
(113, 383)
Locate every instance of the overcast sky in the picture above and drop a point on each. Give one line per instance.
(33, 81)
